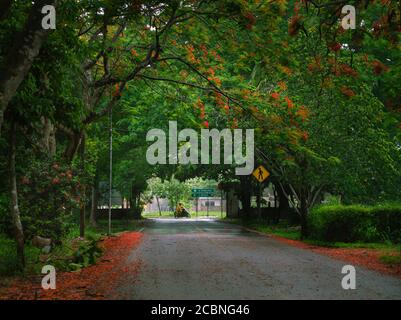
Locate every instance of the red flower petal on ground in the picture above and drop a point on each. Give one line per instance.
(92, 283)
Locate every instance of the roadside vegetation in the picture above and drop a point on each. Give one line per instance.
(71, 254)
(343, 226)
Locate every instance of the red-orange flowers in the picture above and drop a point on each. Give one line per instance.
(347, 92)
(379, 67)
(275, 95)
(290, 104)
(305, 135)
(282, 85)
(303, 113)
(294, 25)
(335, 46)
(117, 92)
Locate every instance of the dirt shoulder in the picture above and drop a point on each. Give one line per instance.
(366, 257)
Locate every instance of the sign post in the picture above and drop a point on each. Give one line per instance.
(204, 193)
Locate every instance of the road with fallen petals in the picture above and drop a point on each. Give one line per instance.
(206, 259)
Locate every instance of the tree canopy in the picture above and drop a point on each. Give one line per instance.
(324, 101)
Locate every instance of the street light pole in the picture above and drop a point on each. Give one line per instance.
(111, 165)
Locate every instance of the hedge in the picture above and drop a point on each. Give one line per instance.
(354, 223)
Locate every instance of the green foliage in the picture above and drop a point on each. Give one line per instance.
(9, 262)
(87, 252)
(325, 118)
(49, 192)
(5, 219)
(391, 259)
(387, 219)
(176, 191)
(355, 223)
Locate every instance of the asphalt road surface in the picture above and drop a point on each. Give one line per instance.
(206, 259)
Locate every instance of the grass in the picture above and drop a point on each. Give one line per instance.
(117, 226)
(391, 259)
(282, 229)
(9, 261)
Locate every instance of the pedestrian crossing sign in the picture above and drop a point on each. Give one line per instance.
(261, 174)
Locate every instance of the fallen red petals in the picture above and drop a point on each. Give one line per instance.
(369, 258)
(92, 283)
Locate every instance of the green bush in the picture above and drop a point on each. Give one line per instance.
(355, 223)
(48, 194)
(387, 219)
(342, 223)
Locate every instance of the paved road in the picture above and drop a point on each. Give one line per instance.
(206, 259)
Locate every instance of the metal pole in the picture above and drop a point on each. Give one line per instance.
(207, 206)
(111, 165)
(259, 202)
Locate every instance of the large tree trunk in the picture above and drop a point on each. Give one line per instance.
(19, 60)
(15, 213)
(5, 6)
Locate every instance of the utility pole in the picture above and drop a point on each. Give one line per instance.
(111, 165)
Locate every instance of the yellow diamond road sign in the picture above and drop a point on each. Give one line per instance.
(261, 174)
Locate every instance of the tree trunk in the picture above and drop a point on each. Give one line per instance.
(82, 221)
(158, 205)
(303, 209)
(284, 205)
(15, 213)
(258, 201)
(245, 194)
(95, 197)
(5, 6)
(83, 198)
(73, 146)
(48, 141)
(20, 58)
